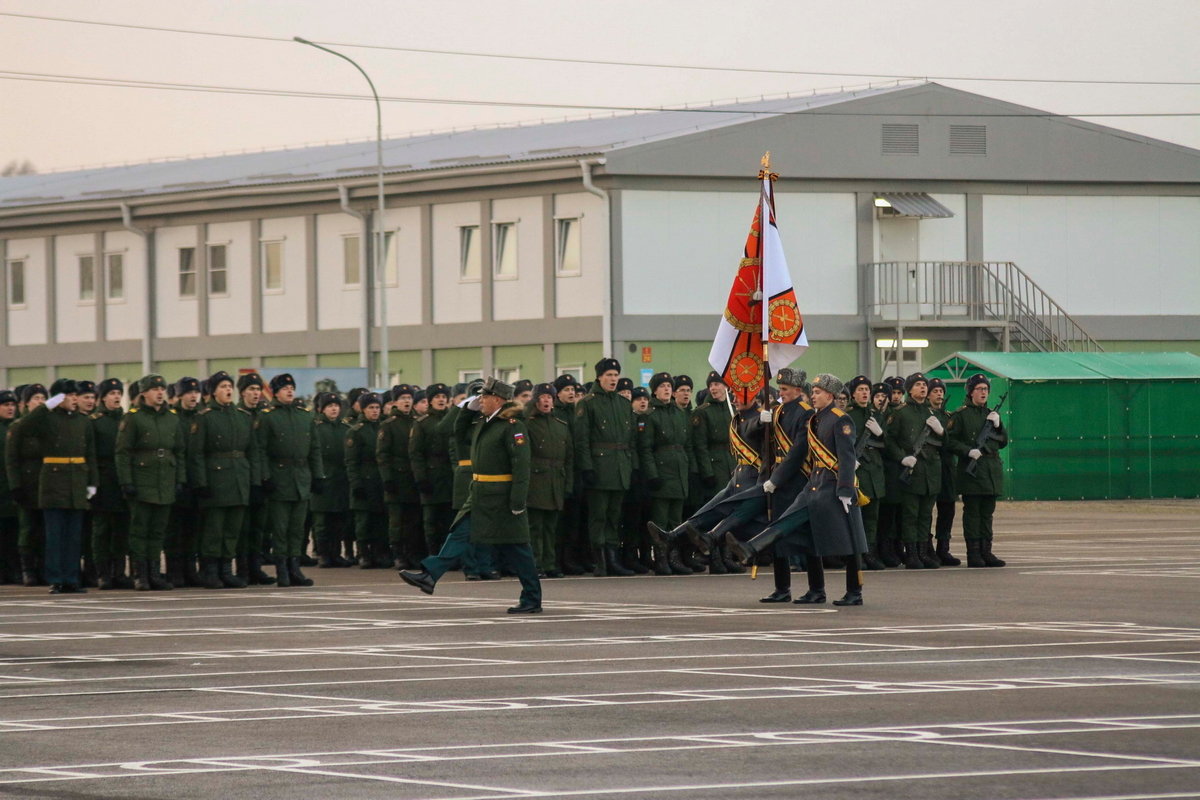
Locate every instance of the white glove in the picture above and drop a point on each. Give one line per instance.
(909, 461)
(873, 427)
(975, 454)
(517, 513)
(769, 487)
(764, 416)
(56, 401)
(846, 501)
(473, 403)
(994, 418)
(463, 403)
(91, 492)
(935, 426)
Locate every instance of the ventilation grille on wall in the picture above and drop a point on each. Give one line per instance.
(968, 140)
(901, 140)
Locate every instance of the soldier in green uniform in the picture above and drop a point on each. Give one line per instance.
(605, 455)
(254, 542)
(429, 452)
(495, 514)
(869, 444)
(477, 562)
(522, 393)
(710, 436)
(947, 496)
(10, 558)
(979, 491)
(665, 455)
(919, 493)
(891, 546)
(571, 522)
(635, 508)
(405, 530)
(67, 482)
(551, 476)
(223, 464)
(150, 463)
(366, 485)
(183, 532)
(110, 512)
(290, 465)
(332, 521)
(85, 391)
(23, 466)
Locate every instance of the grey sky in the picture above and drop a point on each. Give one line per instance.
(58, 126)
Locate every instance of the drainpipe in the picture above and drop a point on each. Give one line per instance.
(364, 330)
(606, 301)
(148, 305)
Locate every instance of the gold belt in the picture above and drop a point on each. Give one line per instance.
(64, 460)
(492, 478)
(466, 463)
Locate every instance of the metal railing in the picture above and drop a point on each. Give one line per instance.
(977, 293)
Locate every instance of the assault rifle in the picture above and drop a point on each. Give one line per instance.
(864, 437)
(986, 434)
(918, 446)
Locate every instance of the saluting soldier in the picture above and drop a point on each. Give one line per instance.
(10, 558)
(477, 562)
(23, 466)
(332, 521)
(949, 493)
(223, 474)
(495, 514)
(605, 454)
(290, 467)
(67, 482)
(869, 444)
(150, 462)
(980, 490)
(110, 512)
(183, 531)
(919, 493)
(666, 459)
(254, 542)
(552, 459)
(366, 485)
(429, 451)
(405, 527)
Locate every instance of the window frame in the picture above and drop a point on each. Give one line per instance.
(208, 253)
(468, 375)
(391, 245)
(463, 252)
(560, 244)
(182, 273)
(90, 274)
(8, 287)
(358, 264)
(109, 298)
(575, 370)
(497, 227)
(264, 246)
(509, 375)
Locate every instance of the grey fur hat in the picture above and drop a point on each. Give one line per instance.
(499, 388)
(794, 377)
(830, 383)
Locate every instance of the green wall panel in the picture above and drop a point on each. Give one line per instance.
(447, 363)
(404, 366)
(338, 360)
(584, 354)
(528, 358)
(284, 362)
(836, 358)
(78, 372)
(18, 376)
(677, 358)
(230, 365)
(174, 370)
(125, 373)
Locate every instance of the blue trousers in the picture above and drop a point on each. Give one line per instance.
(517, 557)
(64, 541)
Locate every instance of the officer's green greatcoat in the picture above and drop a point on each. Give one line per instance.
(605, 448)
(917, 498)
(405, 531)
(460, 454)
(23, 467)
(429, 452)
(362, 472)
(290, 458)
(979, 491)
(501, 460)
(710, 443)
(552, 456)
(64, 435)
(666, 458)
(110, 513)
(222, 458)
(150, 457)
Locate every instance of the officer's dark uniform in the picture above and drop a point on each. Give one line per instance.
(429, 452)
(23, 467)
(918, 495)
(869, 447)
(366, 488)
(10, 558)
(405, 528)
(182, 544)
(333, 522)
(980, 490)
(477, 561)
(110, 512)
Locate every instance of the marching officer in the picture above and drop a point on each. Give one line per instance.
(332, 521)
(551, 475)
(10, 558)
(183, 532)
(23, 466)
(948, 494)
(496, 512)
(979, 491)
(366, 485)
(429, 452)
(868, 446)
(477, 562)
(290, 466)
(405, 528)
(223, 474)
(924, 465)
(110, 512)
(666, 459)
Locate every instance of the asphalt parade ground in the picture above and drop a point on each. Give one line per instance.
(1072, 673)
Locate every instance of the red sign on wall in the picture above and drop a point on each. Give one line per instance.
(645, 355)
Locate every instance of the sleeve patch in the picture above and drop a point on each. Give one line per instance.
(519, 437)
(848, 429)
(195, 427)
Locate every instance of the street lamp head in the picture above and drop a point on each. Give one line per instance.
(301, 40)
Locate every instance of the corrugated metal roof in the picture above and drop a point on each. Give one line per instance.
(915, 204)
(1072, 366)
(411, 154)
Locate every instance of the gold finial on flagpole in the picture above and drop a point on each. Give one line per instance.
(766, 162)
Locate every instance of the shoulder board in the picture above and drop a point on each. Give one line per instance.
(132, 410)
(203, 411)
(97, 415)
(356, 426)
(559, 420)
(318, 421)
(807, 407)
(173, 411)
(265, 411)
(512, 420)
(837, 412)
(244, 411)
(389, 419)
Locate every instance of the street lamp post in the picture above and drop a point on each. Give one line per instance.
(380, 255)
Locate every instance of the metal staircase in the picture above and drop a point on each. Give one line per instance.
(993, 296)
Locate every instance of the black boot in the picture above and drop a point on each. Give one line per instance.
(307, 561)
(295, 576)
(383, 557)
(87, 576)
(119, 578)
(692, 559)
(985, 550)
(141, 574)
(925, 553)
(731, 563)
(913, 558)
(104, 580)
(210, 573)
(662, 538)
(676, 563)
(629, 560)
(191, 577)
(282, 578)
(661, 565)
(327, 556)
(871, 561)
(613, 564)
(716, 563)
(974, 553)
(599, 567)
(226, 576)
(256, 576)
(887, 553)
(175, 571)
(943, 554)
(778, 596)
(366, 556)
(743, 552)
(158, 582)
(811, 597)
(351, 553)
(29, 573)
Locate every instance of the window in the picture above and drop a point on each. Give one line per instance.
(272, 265)
(391, 255)
(187, 272)
(575, 372)
(87, 279)
(468, 375)
(116, 275)
(218, 282)
(568, 258)
(16, 283)
(350, 260)
(509, 375)
(470, 259)
(504, 250)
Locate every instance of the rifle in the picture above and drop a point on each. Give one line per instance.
(986, 434)
(864, 438)
(918, 445)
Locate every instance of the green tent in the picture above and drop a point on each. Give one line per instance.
(1090, 426)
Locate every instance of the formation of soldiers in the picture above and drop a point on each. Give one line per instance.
(219, 479)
